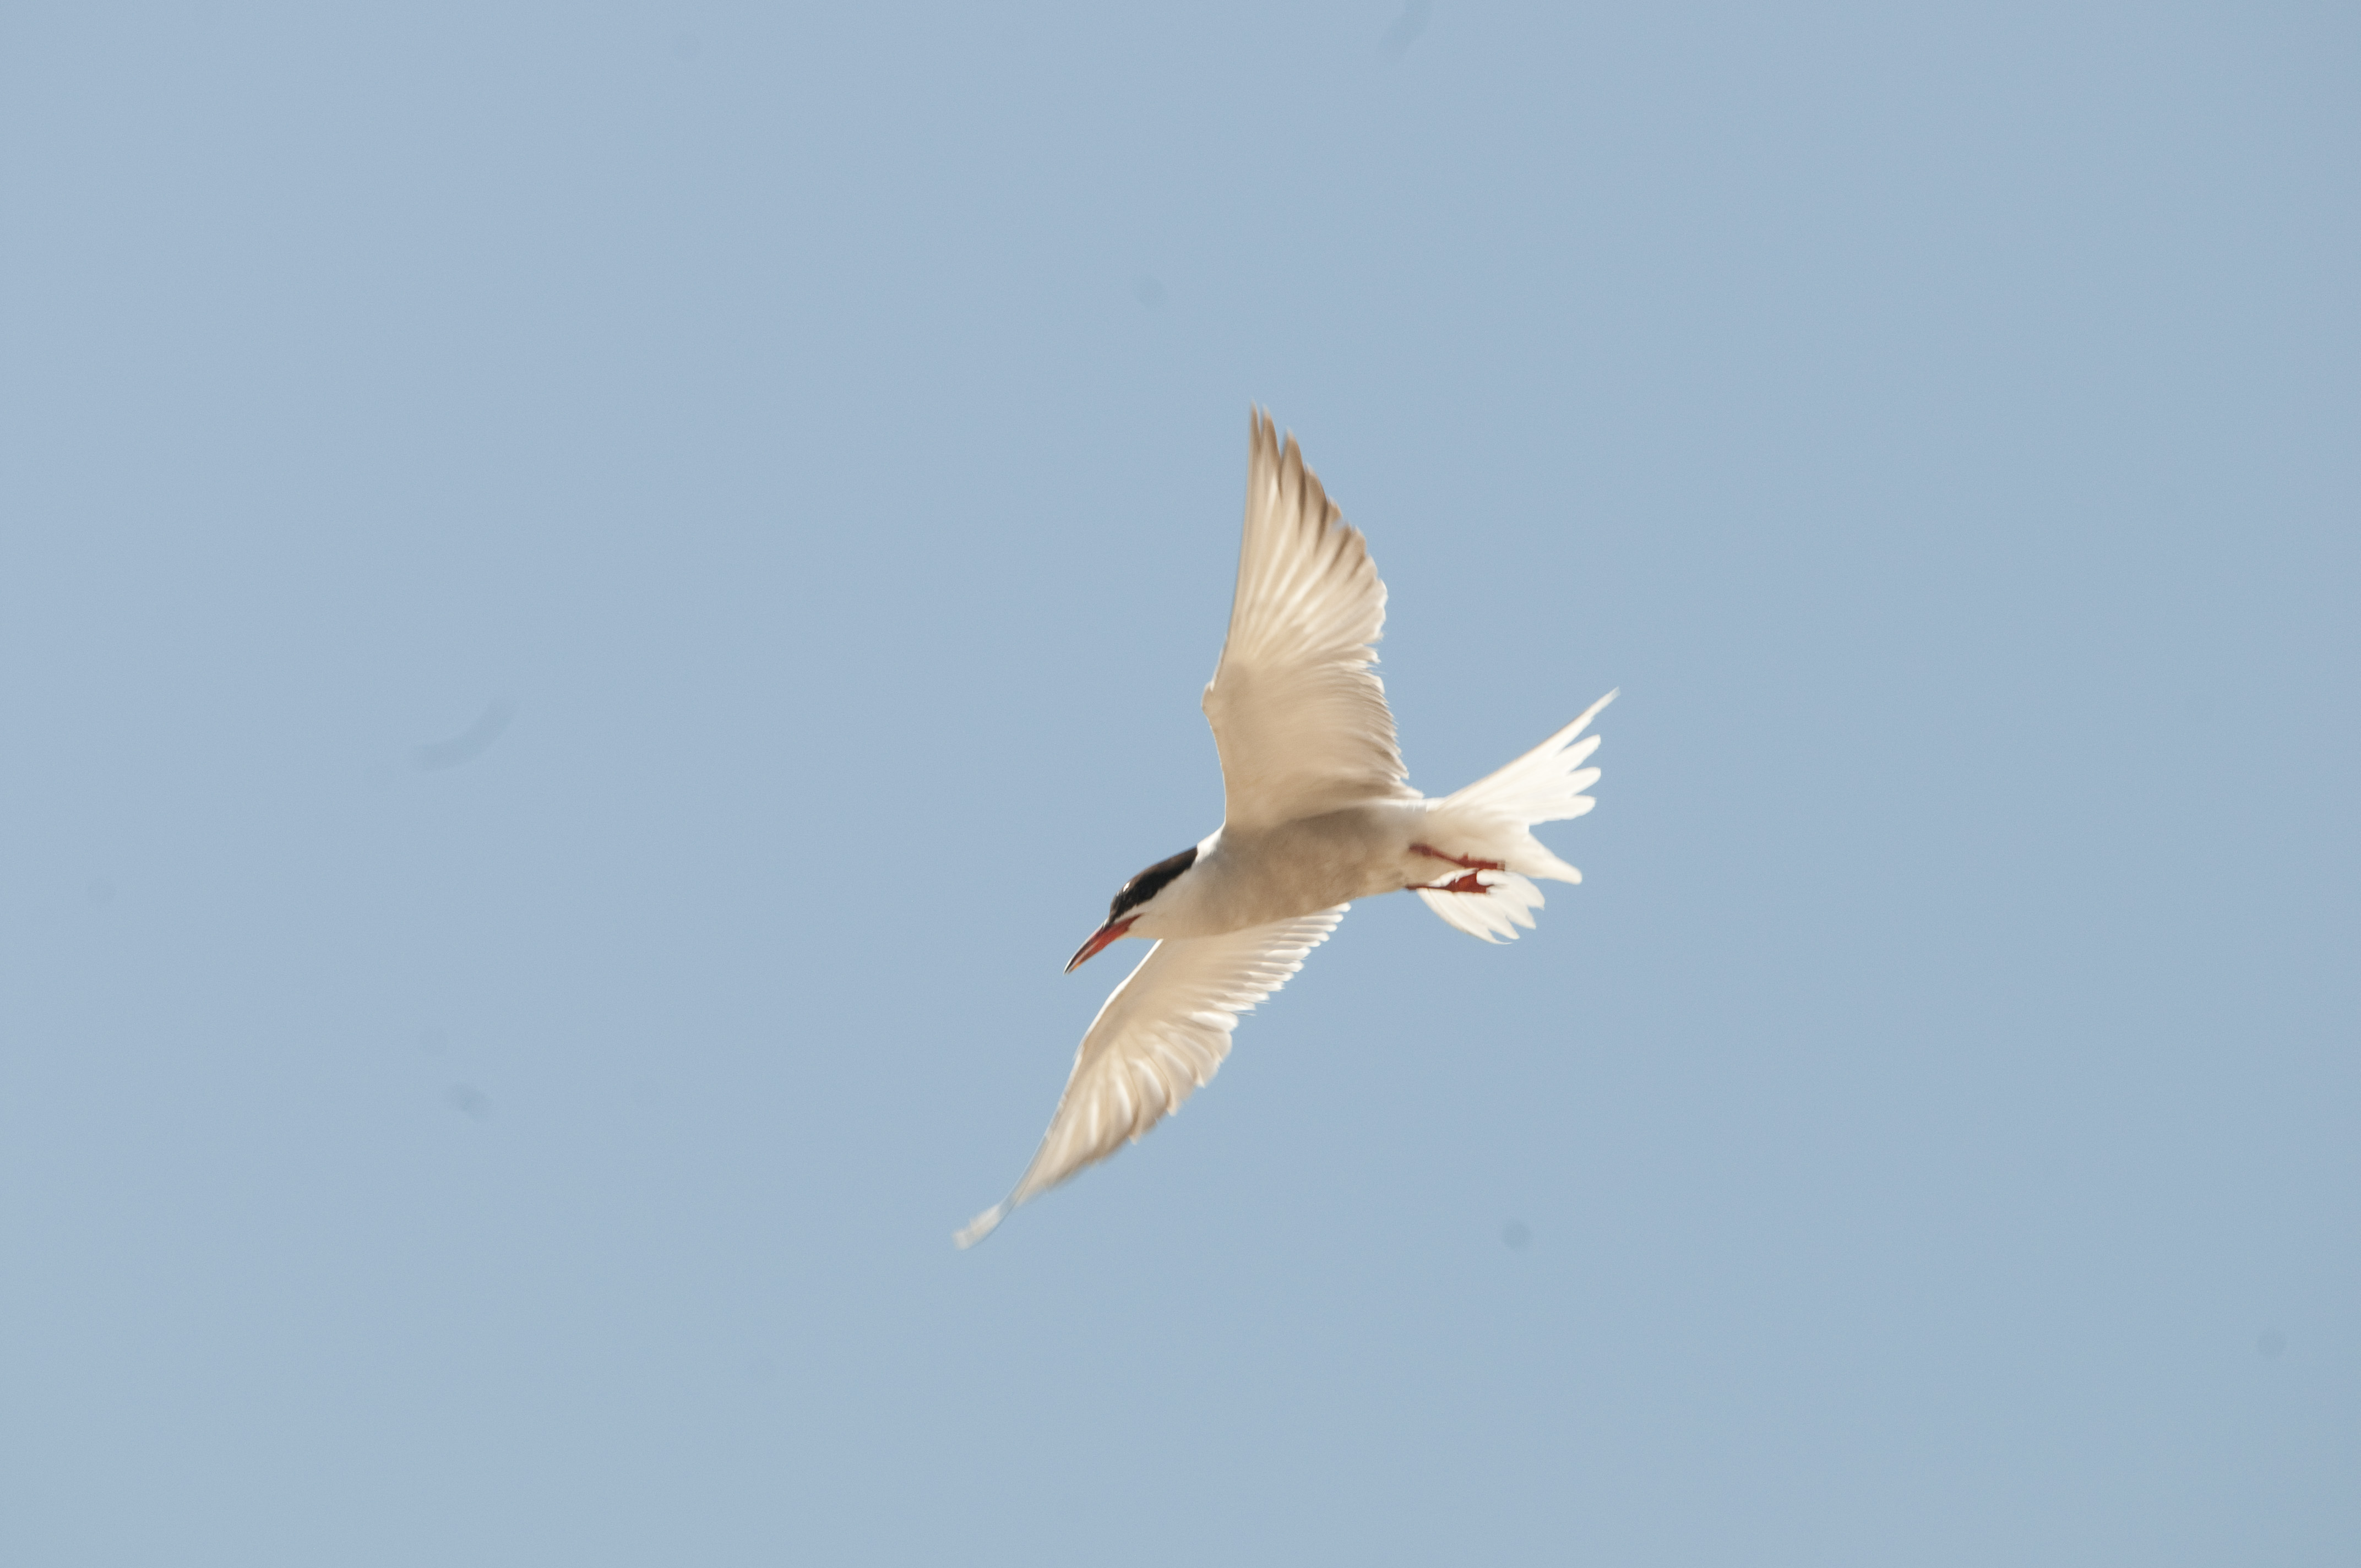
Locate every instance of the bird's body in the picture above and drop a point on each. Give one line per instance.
(1249, 876)
(1319, 812)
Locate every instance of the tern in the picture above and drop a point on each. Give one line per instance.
(1317, 811)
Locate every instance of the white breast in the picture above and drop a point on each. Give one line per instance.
(1253, 876)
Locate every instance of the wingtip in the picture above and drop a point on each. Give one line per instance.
(1583, 723)
(982, 1225)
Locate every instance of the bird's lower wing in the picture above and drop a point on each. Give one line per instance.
(1161, 1034)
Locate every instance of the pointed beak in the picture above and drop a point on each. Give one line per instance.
(1099, 938)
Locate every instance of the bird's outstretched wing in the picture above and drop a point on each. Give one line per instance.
(1298, 716)
(1161, 1034)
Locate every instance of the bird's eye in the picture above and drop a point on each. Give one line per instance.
(1151, 882)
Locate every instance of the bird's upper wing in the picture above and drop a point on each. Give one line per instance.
(1300, 719)
(1162, 1033)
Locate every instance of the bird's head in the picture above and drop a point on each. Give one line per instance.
(1135, 899)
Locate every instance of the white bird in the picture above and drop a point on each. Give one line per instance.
(1317, 811)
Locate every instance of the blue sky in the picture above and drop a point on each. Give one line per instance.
(592, 599)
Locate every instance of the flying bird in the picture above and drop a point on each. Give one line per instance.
(1317, 811)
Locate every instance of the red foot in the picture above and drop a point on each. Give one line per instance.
(1471, 882)
(1471, 863)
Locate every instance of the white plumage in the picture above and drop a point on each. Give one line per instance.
(1160, 1036)
(1299, 718)
(1317, 811)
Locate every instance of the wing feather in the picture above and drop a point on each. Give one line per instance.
(1298, 716)
(1160, 1036)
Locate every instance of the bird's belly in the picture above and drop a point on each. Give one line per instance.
(1312, 864)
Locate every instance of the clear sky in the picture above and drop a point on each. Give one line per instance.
(593, 599)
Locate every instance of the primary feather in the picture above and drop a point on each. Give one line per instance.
(1298, 716)
(1160, 1036)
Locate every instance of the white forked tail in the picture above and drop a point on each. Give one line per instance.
(1494, 818)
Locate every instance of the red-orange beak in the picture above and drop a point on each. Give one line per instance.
(1099, 938)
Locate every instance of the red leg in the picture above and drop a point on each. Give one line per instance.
(1471, 882)
(1469, 862)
